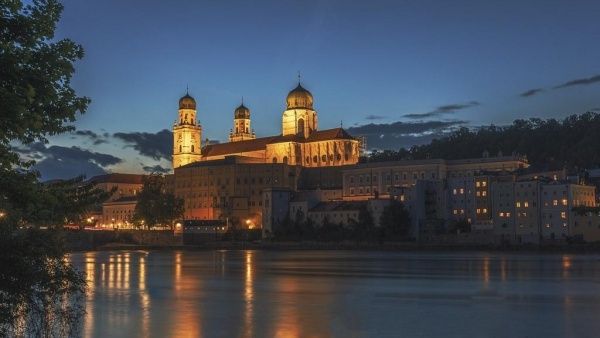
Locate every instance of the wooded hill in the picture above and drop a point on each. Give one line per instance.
(573, 141)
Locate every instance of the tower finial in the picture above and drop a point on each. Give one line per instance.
(342, 124)
(298, 77)
(242, 100)
(187, 89)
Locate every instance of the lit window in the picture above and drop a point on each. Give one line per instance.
(478, 193)
(563, 214)
(462, 211)
(518, 204)
(484, 193)
(484, 210)
(555, 202)
(462, 191)
(526, 204)
(478, 211)
(501, 214)
(483, 184)
(477, 184)
(455, 212)
(564, 201)
(454, 191)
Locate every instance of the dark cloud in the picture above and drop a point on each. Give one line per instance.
(404, 135)
(441, 110)
(66, 162)
(579, 82)
(156, 169)
(531, 92)
(154, 145)
(375, 117)
(96, 139)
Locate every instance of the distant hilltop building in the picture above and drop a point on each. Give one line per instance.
(300, 142)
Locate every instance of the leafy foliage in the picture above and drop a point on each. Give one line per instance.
(395, 221)
(155, 206)
(36, 99)
(41, 293)
(571, 141)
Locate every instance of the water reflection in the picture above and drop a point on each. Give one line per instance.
(338, 294)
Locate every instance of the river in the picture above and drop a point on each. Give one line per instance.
(340, 294)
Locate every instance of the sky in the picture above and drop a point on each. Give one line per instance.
(399, 72)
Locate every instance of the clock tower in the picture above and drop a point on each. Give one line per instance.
(187, 134)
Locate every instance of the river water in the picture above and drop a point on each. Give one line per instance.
(340, 294)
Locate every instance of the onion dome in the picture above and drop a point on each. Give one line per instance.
(187, 102)
(299, 98)
(242, 112)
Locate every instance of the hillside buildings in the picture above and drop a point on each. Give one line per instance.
(305, 173)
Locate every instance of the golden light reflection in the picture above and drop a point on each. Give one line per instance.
(144, 297)
(90, 276)
(566, 263)
(288, 323)
(178, 271)
(486, 270)
(115, 276)
(187, 322)
(249, 296)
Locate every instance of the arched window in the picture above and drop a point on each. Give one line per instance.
(324, 158)
(300, 126)
(192, 148)
(274, 159)
(285, 159)
(180, 148)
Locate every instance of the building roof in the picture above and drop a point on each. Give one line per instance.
(117, 178)
(246, 146)
(260, 144)
(339, 206)
(316, 136)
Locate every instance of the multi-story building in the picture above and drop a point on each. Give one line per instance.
(558, 199)
(230, 188)
(120, 206)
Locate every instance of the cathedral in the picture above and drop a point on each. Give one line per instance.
(300, 142)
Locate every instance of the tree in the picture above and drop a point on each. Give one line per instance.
(362, 229)
(461, 226)
(155, 206)
(41, 294)
(395, 221)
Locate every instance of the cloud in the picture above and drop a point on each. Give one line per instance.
(531, 92)
(56, 162)
(375, 117)
(154, 145)
(579, 82)
(441, 110)
(403, 135)
(97, 139)
(156, 169)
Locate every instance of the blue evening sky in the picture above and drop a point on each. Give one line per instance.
(400, 72)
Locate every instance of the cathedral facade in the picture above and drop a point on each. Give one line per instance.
(300, 142)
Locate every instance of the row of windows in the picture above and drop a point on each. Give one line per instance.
(564, 202)
(389, 177)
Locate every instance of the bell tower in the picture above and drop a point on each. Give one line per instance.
(241, 124)
(187, 134)
(300, 118)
